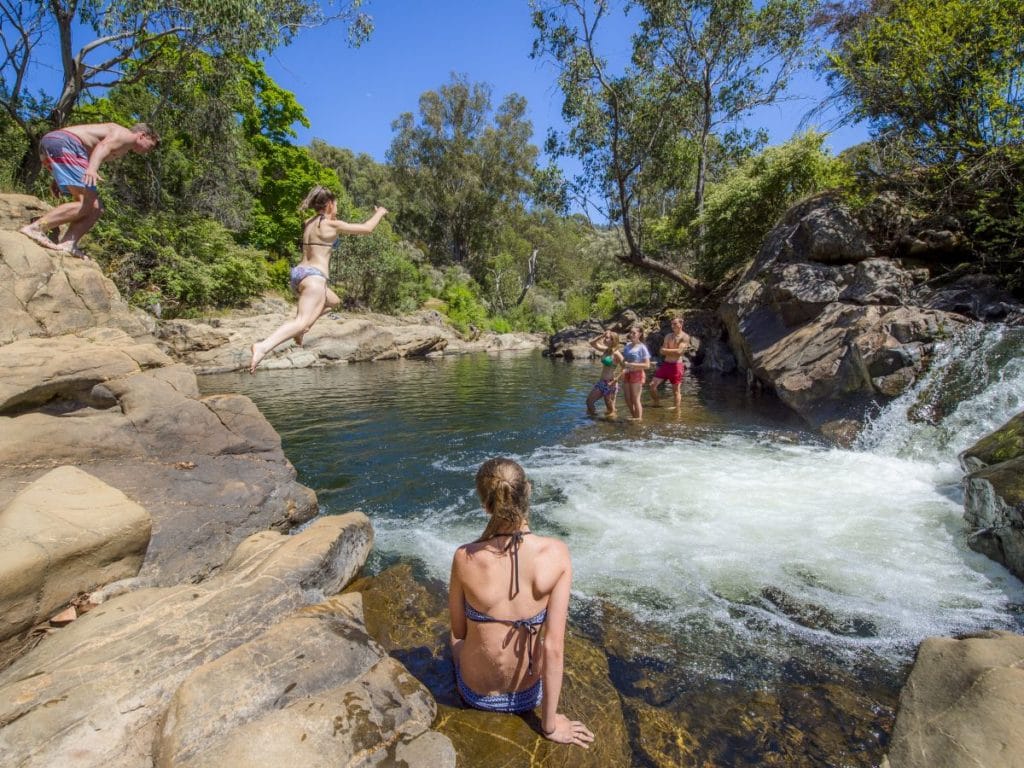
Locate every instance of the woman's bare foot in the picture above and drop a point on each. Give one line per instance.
(297, 338)
(32, 232)
(257, 355)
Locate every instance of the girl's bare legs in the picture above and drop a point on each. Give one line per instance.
(636, 408)
(330, 304)
(592, 398)
(312, 298)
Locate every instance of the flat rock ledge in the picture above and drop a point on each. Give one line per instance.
(252, 667)
(222, 344)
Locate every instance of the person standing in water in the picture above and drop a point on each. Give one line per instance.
(309, 276)
(608, 385)
(508, 600)
(671, 368)
(637, 361)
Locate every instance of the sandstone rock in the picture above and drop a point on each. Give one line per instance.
(963, 705)
(64, 534)
(93, 694)
(223, 344)
(18, 210)
(981, 297)
(44, 293)
(574, 343)
(312, 690)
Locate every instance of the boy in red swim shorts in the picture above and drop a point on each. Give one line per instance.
(671, 368)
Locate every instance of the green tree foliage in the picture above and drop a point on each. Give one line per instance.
(183, 262)
(644, 131)
(459, 169)
(741, 210)
(367, 182)
(103, 44)
(946, 76)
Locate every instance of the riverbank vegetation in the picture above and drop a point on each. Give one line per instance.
(673, 190)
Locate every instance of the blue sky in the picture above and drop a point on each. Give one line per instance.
(351, 96)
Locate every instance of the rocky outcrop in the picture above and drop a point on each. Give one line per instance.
(963, 705)
(151, 677)
(209, 470)
(827, 325)
(994, 495)
(223, 344)
(45, 293)
(65, 534)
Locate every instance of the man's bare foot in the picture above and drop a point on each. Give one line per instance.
(257, 356)
(73, 250)
(32, 232)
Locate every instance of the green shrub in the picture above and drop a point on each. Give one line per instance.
(187, 261)
(463, 306)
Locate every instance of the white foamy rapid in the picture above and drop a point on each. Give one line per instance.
(776, 545)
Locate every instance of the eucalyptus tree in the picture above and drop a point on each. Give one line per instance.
(102, 43)
(698, 68)
(947, 77)
(460, 169)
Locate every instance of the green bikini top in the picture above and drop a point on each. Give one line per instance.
(607, 360)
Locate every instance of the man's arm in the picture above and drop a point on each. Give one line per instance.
(115, 143)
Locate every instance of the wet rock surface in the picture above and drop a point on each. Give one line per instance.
(642, 699)
(994, 495)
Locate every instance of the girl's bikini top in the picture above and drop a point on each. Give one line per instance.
(608, 360)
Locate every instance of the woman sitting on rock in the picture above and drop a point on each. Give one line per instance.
(509, 601)
(309, 276)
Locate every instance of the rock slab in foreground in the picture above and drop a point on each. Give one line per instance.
(210, 470)
(94, 693)
(411, 621)
(963, 705)
(66, 533)
(313, 690)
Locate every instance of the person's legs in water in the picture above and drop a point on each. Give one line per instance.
(653, 386)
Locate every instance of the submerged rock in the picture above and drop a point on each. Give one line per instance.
(411, 621)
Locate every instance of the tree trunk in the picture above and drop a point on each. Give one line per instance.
(531, 277)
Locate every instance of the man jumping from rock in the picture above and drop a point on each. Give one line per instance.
(74, 155)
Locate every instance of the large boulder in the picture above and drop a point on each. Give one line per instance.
(994, 495)
(963, 705)
(65, 534)
(95, 693)
(823, 322)
(210, 470)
